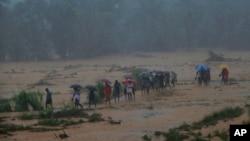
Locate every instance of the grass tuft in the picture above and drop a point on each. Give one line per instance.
(95, 117)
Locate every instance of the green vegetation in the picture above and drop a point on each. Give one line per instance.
(25, 99)
(68, 105)
(99, 95)
(198, 139)
(26, 116)
(70, 122)
(223, 135)
(67, 113)
(5, 105)
(186, 131)
(95, 117)
(184, 127)
(135, 75)
(225, 114)
(146, 138)
(136, 72)
(158, 133)
(175, 135)
(43, 129)
(56, 122)
(49, 122)
(5, 128)
(48, 113)
(47, 117)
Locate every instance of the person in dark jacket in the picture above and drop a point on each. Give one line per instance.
(48, 98)
(92, 98)
(116, 90)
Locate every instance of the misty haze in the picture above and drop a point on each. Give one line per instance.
(75, 29)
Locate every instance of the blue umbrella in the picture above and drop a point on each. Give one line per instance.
(201, 67)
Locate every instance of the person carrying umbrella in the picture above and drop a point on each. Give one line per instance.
(76, 98)
(107, 93)
(92, 96)
(202, 74)
(224, 75)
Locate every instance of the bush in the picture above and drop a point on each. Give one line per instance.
(25, 99)
(5, 105)
(99, 95)
(95, 117)
(175, 135)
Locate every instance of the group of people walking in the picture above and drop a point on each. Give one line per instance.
(157, 80)
(203, 74)
(153, 80)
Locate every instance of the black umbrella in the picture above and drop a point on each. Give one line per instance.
(76, 86)
(90, 88)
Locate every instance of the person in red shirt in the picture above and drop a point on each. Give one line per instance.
(107, 93)
(224, 75)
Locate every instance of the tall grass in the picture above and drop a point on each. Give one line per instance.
(99, 95)
(25, 99)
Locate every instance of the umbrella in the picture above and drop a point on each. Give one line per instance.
(106, 81)
(125, 82)
(76, 86)
(224, 66)
(90, 88)
(201, 67)
(145, 74)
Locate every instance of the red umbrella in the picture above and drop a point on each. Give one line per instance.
(125, 82)
(106, 81)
